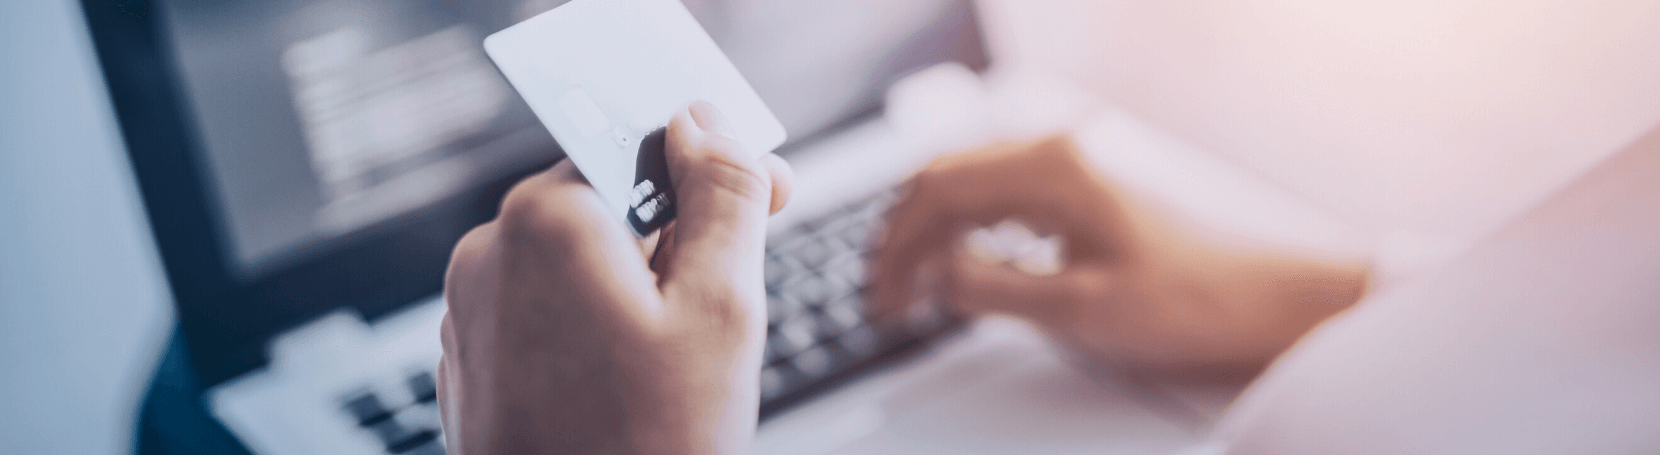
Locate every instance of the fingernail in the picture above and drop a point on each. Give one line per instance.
(710, 119)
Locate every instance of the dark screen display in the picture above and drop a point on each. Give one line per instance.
(324, 118)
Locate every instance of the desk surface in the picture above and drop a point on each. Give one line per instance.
(999, 388)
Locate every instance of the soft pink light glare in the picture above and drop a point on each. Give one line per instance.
(1439, 117)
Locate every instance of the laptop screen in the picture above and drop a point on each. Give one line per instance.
(301, 156)
(324, 118)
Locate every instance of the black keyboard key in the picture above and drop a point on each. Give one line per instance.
(368, 409)
(414, 441)
(778, 270)
(772, 382)
(848, 271)
(856, 235)
(780, 309)
(399, 437)
(775, 353)
(812, 292)
(423, 387)
(402, 431)
(842, 316)
(791, 338)
(814, 363)
(390, 432)
(813, 253)
(860, 342)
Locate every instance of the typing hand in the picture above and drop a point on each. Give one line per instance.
(565, 334)
(1122, 284)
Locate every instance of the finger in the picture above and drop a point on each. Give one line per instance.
(554, 230)
(711, 120)
(976, 287)
(664, 252)
(469, 255)
(920, 231)
(782, 180)
(651, 244)
(724, 197)
(565, 170)
(1046, 183)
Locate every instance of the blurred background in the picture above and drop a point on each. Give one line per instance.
(1412, 127)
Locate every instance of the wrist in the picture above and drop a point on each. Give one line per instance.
(706, 410)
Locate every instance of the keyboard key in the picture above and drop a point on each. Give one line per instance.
(826, 326)
(849, 270)
(792, 337)
(810, 292)
(856, 235)
(813, 254)
(411, 429)
(816, 273)
(414, 441)
(815, 362)
(368, 409)
(391, 432)
(430, 448)
(772, 382)
(800, 333)
(844, 315)
(861, 341)
(774, 351)
(780, 309)
(777, 271)
(423, 387)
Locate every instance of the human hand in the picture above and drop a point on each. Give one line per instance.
(566, 334)
(1131, 289)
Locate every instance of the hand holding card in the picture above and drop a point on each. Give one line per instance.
(605, 76)
(654, 346)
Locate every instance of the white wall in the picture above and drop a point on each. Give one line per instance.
(84, 309)
(1439, 117)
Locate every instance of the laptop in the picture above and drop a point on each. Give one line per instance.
(307, 166)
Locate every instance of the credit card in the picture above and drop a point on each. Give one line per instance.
(605, 77)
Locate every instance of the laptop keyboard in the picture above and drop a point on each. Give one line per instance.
(818, 328)
(410, 429)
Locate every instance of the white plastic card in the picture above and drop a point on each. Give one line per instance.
(605, 77)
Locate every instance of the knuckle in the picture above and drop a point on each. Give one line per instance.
(467, 276)
(540, 212)
(727, 170)
(1057, 145)
(948, 164)
(1060, 150)
(939, 187)
(928, 177)
(470, 249)
(519, 202)
(932, 178)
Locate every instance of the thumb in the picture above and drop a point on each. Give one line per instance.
(724, 196)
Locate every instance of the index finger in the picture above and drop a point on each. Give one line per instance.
(1043, 183)
(917, 230)
(952, 194)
